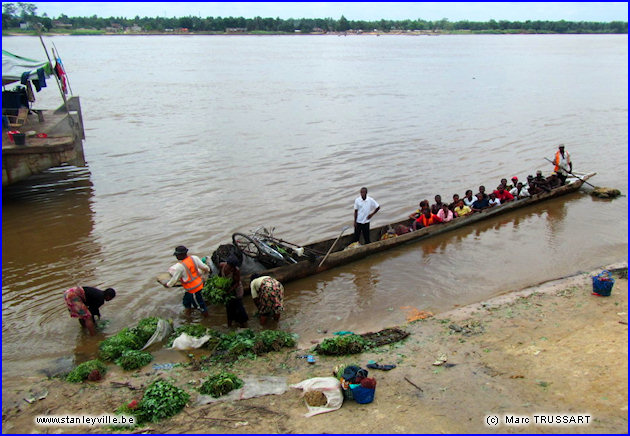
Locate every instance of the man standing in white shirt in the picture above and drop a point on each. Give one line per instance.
(364, 209)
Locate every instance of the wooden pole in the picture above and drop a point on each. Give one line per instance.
(332, 246)
(583, 181)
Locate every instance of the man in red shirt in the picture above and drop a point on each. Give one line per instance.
(503, 195)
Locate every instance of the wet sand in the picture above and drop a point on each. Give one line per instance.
(549, 349)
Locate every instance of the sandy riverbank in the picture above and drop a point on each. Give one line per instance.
(550, 349)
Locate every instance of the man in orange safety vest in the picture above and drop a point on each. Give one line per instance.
(187, 271)
(563, 163)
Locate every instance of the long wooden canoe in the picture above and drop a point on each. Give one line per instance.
(340, 256)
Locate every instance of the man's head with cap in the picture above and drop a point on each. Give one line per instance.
(561, 146)
(180, 252)
(515, 179)
(539, 173)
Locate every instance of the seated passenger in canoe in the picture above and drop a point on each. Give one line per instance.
(445, 214)
(480, 204)
(554, 181)
(427, 219)
(512, 185)
(503, 195)
(482, 191)
(469, 199)
(519, 191)
(493, 200)
(453, 205)
(421, 206)
(461, 209)
(539, 183)
(438, 204)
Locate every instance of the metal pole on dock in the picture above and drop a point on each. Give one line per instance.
(65, 101)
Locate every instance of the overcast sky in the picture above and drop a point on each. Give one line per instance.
(454, 11)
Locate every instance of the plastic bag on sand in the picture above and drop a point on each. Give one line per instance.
(329, 386)
(187, 342)
(162, 331)
(253, 386)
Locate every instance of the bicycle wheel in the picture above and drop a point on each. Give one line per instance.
(249, 246)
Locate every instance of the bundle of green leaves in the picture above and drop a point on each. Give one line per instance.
(216, 290)
(247, 344)
(220, 384)
(340, 345)
(161, 400)
(234, 345)
(128, 339)
(272, 340)
(145, 328)
(82, 371)
(134, 359)
(113, 347)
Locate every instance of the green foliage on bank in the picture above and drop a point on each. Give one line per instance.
(220, 384)
(342, 345)
(161, 400)
(134, 359)
(13, 15)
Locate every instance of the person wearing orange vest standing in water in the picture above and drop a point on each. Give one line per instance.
(187, 272)
(563, 163)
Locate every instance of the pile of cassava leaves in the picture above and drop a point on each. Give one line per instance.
(161, 400)
(247, 344)
(340, 345)
(134, 359)
(220, 384)
(229, 347)
(83, 371)
(128, 339)
(353, 343)
(216, 290)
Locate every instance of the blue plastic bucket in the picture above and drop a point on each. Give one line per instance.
(363, 395)
(603, 284)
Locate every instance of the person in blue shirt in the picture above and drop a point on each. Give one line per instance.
(481, 203)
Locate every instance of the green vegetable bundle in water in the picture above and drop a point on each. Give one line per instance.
(220, 384)
(128, 339)
(216, 290)
(113, 347)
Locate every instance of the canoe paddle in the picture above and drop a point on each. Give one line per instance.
(333, 245)
(577, 177)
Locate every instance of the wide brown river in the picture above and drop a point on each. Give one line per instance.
(192, 138)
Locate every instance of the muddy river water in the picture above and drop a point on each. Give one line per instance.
(192, 138)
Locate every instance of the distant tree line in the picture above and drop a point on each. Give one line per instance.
(13, 15)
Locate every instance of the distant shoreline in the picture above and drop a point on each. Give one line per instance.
(86, 32)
